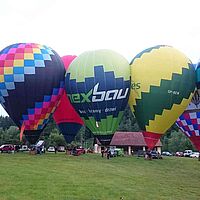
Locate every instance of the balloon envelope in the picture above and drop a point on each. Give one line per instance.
(31, 84)
(97, 84)
(32, 136)
(66, 118)
(189, 121)
(162, 84)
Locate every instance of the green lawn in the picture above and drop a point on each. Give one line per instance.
(90, 177)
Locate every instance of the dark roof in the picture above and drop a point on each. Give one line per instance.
(130, 139)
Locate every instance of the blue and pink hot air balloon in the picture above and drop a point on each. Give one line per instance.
(31, 85)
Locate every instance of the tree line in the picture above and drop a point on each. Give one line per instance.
(174, 140)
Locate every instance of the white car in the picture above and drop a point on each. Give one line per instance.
(24, 148)
(51, 149)
(187, 153)
(194, 155)
(166, 153)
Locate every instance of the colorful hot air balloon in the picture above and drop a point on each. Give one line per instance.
(189, 121)
(162, 85)
(66, 118)
(97, 84)
(31, 85)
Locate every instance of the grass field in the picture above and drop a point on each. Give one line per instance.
(90, 177)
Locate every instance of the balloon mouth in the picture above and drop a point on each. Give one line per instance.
(104, 139)
(32, 136)
(151, 139)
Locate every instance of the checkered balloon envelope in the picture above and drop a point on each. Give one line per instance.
(31, 83)
(189, 121)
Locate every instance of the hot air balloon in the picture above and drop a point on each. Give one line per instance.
(162, 85)
(31, 85)
(97, 84)
(66, 118)
(189, 121)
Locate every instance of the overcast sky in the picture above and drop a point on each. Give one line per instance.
(126, 26)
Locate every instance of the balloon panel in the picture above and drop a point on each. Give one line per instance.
(67, 60)
(151, 139)
(97, 84)
(31, 83)
(66, 113)
(69, 130)
(163, 80)
(66, 118)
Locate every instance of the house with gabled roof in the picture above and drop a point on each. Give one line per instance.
(131, 142)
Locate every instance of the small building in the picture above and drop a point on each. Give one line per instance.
(131, 142)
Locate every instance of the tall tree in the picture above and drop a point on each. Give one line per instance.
(6, 122)
(177, 141)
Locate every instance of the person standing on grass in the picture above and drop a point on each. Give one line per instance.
(148, 155)
(108, 153)
(55, 149)
(102, 153)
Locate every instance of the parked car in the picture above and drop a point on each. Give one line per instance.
(187, 153)
(51, 149)
(141, 153)
(61, 149)
(78, 151)
(17, 147)
(194, 155)
(179, 154)
(23, 148)
(155, 155)
(119, 152)
(166, 153)
(8, 148)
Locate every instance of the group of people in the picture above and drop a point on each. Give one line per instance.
(152, 154)
(106, 152)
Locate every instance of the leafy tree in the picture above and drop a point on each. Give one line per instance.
(10, 135)
(13, 133)
(49, 127)
(174, 140)
(177, 141)
(1, 136)
(6, 122)
(55, 139)
(128, 122)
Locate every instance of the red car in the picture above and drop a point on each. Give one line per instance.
(179, 154)
(78, 151)
(7, 148)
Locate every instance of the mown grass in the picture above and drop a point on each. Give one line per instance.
(90, 177)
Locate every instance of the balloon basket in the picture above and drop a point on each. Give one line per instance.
(32, 152)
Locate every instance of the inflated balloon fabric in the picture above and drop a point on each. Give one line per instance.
(31, 83)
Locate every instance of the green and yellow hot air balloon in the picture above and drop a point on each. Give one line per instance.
(98, 86)
(162, 85)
